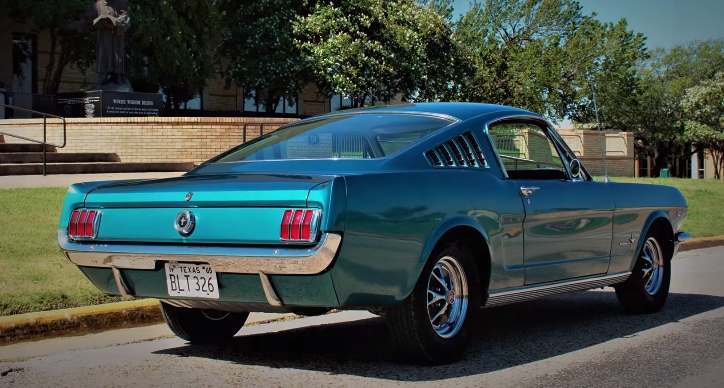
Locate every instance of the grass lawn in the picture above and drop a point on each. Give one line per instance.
(706, 203)
(35, 276)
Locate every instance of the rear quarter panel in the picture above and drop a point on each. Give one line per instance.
(637, 206)
(394, 219)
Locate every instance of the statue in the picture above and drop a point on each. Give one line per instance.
(111, 20)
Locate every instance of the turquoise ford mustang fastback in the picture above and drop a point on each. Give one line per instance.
(421, 213)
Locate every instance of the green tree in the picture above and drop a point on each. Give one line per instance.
(545, 55)
(704, 108)
(67, 46)
(258, 50)
(171, 45)
(372, 50)
(663, 130)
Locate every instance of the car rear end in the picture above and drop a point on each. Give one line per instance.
(247, 242)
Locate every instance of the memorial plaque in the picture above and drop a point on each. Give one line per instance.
(100, 103)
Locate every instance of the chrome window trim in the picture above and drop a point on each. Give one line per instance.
(546, 127)
(245, 260)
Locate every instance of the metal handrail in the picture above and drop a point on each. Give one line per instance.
(261, 128)
(45, 132)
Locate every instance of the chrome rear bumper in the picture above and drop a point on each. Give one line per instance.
(242, 260)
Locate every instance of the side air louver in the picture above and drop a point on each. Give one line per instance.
(461, 151)
(467, 150)
(478, 151)
(433, 158)
(446, 156)
(457, 152)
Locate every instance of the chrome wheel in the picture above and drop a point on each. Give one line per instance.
(447, 297)
(653, 266)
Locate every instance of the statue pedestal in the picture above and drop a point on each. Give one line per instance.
(101, 103)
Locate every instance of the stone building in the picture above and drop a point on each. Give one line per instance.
(28, 53)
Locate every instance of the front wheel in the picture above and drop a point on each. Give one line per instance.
(647, 289)
(434, 324)
(201, 326)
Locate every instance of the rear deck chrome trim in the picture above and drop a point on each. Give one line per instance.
(244, 260)
(534, 292)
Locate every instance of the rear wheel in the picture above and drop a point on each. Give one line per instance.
(201, 326)
(647, 289)
(434, 324)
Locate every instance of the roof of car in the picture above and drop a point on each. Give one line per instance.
(459, 110)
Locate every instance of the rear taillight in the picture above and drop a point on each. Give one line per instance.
(299, 225)
(84, 224)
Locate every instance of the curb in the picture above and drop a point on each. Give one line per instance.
(79, 320)
(701, 243)
(144, 312)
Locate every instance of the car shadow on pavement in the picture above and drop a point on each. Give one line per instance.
(509, 336)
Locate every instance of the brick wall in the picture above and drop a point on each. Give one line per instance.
(310, 103)
(619, 147)
(148, 139)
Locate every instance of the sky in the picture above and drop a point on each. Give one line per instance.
(665, 23)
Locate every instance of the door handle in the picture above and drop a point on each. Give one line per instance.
(526, 191)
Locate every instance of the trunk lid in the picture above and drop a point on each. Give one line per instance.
(233, 190)
(228, 209)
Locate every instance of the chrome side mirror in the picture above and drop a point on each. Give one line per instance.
(575, 169)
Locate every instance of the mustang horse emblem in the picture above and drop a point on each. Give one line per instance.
(185, 223)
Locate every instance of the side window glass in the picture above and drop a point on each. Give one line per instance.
(527, 152)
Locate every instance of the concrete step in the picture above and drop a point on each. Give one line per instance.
(93, 168)
(17, 147)
(54, 157)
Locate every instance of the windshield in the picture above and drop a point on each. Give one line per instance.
(360, 136)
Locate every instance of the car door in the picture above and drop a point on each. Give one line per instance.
(567, 226)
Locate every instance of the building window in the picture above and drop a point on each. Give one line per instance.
(193, 104)
(338, 102)
(643, 167)
(285, 106)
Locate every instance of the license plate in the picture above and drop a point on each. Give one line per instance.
(191, 280)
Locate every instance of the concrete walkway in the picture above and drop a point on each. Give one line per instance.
(24, 181)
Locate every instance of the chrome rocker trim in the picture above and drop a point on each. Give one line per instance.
(242, 260)
(535, 292)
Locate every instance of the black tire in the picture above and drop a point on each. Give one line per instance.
(647, 289)
(411, 324)
(202, 326)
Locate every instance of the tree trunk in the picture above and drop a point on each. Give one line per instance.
(271, 104)
(54, 85)
(660, 161)
(716, 156)
(51, 64)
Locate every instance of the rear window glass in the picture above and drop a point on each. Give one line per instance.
(361, 136)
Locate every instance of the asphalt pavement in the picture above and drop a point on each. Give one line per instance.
(576, 340)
